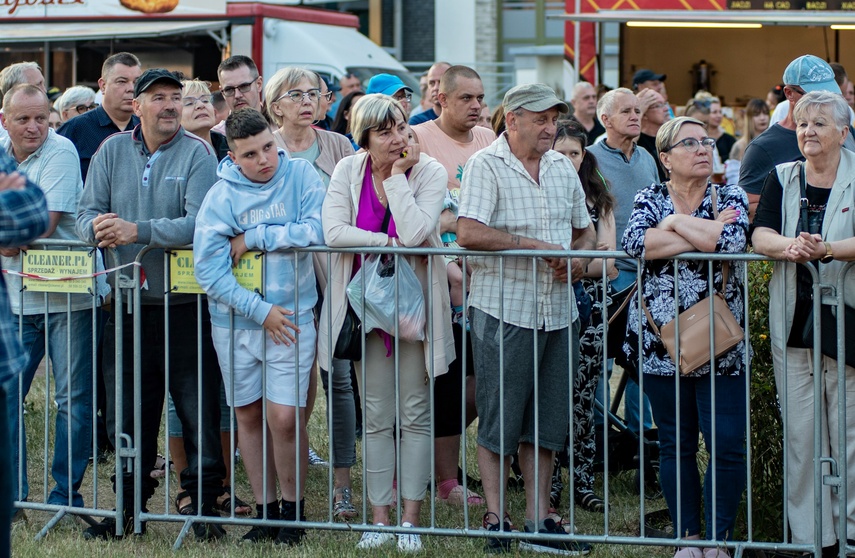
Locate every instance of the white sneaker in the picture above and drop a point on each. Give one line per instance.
(372, 539)
(409, 542)
(316, 460)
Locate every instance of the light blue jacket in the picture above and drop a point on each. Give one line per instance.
(280, 214)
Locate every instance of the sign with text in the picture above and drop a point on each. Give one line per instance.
(58, 263)
(54, 9)
(808, 5)
(182, 274)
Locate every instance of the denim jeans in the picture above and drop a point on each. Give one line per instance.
(695, 413)
(71, 361)
(6, 495)
(183, 339)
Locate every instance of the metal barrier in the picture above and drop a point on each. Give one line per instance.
(131, 453)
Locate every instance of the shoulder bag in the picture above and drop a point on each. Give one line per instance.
(695, 325)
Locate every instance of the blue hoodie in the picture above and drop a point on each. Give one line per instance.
(280, 214)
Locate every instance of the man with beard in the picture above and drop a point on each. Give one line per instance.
(144, 188)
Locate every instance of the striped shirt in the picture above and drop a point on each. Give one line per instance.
(23, 217)
(497, 191)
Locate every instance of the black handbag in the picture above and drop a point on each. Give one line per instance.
(348, 346)
(349, 343)
(827, 319)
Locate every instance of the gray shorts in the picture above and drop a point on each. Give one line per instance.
(554, 381)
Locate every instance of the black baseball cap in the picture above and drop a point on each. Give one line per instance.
(155, 75)
(646, 75)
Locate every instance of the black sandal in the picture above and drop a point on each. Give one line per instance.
(186, 509)
(590, 502)
(225, 506)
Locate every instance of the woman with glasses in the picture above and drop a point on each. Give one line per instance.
(75, 101)
(389, 194)
(818, 235)
(688, 214)
(293, 98)
(197, 116)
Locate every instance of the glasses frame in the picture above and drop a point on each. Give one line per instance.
(205, 99)
(244, 88)
(82, 109)
(407, 97)
(303, 95)
(707, 142)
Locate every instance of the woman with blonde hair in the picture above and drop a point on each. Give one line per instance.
(198, 115)
(755, 122)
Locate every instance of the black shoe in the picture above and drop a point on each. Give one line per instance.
(260, 533)
(106, 530)
(566, 548)
(208, 531)
(290, 536)
(495, 545)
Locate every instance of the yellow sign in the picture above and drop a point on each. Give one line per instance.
(182, 274)
(58, 263)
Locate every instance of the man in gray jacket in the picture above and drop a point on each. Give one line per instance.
(144, 188)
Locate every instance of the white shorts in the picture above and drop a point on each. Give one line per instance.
(281, 365)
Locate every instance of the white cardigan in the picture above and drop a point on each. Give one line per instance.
(415, 204)
(838, 224)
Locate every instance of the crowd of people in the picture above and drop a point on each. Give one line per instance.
(156, 159)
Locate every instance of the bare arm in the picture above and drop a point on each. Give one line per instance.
(770, 243)
(475, 235)
(606, 240)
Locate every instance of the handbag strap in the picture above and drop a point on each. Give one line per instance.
(384, 228)
(803, 200)
(623, 304)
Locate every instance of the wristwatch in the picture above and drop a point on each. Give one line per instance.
(829, 256)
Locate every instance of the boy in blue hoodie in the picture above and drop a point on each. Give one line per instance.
(264, 201)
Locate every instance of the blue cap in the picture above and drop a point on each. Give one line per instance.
(811, 74)
(387, 84)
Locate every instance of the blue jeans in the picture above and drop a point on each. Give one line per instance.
(696, 414)
(72, 372)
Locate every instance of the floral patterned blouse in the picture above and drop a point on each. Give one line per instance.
(652, 205)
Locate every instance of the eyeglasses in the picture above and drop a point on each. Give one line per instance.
(327, 95)
(191, 101)
(403, 97)
(85, 108)
(297, 96)
(243, 88)
(691, 144)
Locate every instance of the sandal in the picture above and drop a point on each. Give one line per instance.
(344, 508)
(186, 509)
(590, 502)
(455, 497)
(224, 503)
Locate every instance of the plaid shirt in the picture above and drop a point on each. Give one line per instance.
(497, 191)
(23, 217)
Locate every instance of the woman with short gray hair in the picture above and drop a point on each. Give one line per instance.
(75, 101)
(826, 179)
(389, 194)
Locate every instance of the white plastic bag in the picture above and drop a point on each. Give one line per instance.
(379, 273)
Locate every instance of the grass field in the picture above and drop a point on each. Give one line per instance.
(66, 539)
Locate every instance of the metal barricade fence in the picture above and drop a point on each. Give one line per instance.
(56, 291)
(463, 525)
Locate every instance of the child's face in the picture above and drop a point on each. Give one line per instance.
(572, 149)
(256, 156)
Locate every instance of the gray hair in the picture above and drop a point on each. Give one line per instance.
(373, 112)
(666, 134)
(25, 89)
(606, 104)
(14, 74)
(832, 103)
(580, 86)
(285, 79)
(73, 96)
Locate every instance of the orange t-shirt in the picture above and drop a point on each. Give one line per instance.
(450, 153)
